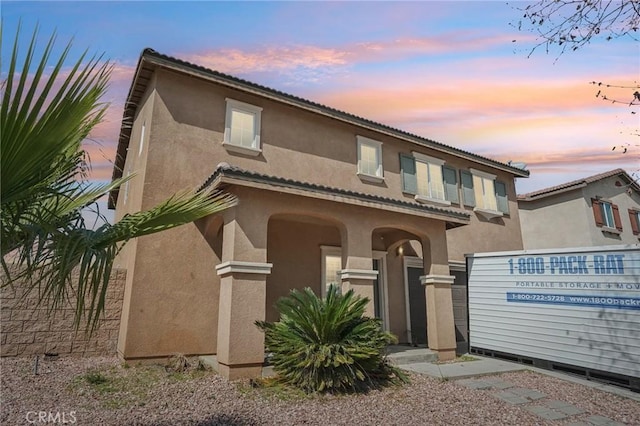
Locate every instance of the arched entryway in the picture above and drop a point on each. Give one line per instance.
(305, 252)
(403, 293)
(274, 242)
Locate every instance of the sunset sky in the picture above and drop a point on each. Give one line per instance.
(455, 72)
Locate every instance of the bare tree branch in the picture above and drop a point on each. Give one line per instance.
(572, 24)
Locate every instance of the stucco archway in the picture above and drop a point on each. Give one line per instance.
(296, 244)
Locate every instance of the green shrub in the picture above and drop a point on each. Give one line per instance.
(95, 378)
(328, 345)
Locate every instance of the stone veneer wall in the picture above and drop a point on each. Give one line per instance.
(28, 329)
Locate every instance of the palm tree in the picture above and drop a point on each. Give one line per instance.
(328, 345)
(47, 111)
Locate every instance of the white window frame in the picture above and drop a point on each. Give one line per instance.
(480, 180)
(606, 210)
(255, 149)
(379, 173)
(433, 186)
(383, 295)
(328, 251)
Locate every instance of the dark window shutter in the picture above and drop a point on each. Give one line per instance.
(408, 171)
(633, 218)
(616, 217)
(450, 177)
(501, 197)
(597, 212)
(468, 197)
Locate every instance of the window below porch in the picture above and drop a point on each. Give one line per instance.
(331, 266)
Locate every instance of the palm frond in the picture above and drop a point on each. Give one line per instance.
(179, 209)
(46, 113)
(42, 130)
(328, 345)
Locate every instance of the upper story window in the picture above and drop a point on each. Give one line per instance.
(242, 128)
(370, 159)
(606, 215)
(481, 191)
(634, 218)
(429, 179)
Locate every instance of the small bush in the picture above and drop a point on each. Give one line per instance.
(329, 345)
(178, 363)
(95, 378)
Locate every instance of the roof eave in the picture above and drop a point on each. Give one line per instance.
(130, 108)
(578, 184)
(549, 194)
(227, 175)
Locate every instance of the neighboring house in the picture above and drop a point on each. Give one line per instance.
(324, 197)
(599, 210)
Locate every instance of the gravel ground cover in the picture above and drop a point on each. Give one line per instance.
(102, 391)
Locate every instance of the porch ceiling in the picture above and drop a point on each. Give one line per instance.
(231, 175)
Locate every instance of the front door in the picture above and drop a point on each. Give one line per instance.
(377, 300)
(417, 306)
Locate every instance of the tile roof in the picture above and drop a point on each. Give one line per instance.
(576, 184)
(224, 169)
(149, 59)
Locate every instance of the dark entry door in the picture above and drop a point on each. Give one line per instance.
(376, 290)
(417, 306)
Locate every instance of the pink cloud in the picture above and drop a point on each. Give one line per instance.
(499, 109)
(295, 57)
(236, 61)
(483, 105)
(571, 157)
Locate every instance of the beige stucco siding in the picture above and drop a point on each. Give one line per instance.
(616, 191)
(482, 235)
(299, 145)
(562, 221)
(293, 247)
(296, 144)
(172, 292)
(567, 220)
(130, 199)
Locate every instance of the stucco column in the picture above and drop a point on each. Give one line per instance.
(441, 334)
(358, 274)
(361, 282)
(243, 274)
(440, 325)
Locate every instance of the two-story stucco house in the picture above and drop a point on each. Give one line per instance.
(598, 210)
(324, 197)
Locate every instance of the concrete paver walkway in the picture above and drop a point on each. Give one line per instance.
(534, 401)
(472, 374)
(459, 370)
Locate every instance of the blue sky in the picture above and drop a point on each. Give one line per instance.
(449, 71)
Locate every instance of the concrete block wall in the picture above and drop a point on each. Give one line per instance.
(28, 329)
